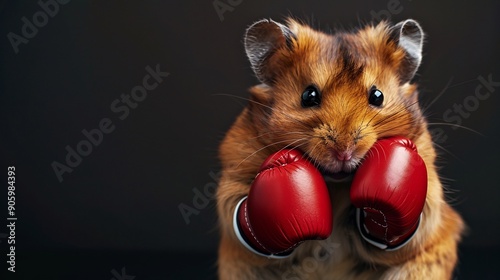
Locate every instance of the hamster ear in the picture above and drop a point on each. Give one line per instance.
(409, 36)
(262, 39)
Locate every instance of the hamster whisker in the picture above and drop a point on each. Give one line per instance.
(391, 126)
(446, 88)
(267, 146)
(243, 98)
(263, 105)
(457, 126)
(281, 134)
(374, 116)
(397, 112)
(447, 151)
(263, 148)
(314, 159)
(290, 118)
(295, 147)
(291, 144)
(389, 119)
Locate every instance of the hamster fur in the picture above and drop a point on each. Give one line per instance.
(343, 66)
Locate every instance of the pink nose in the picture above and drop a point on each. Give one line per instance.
(344, 156)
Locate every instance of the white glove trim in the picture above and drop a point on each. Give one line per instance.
(242, 240)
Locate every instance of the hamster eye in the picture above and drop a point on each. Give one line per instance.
(311, 97)
(376, 97)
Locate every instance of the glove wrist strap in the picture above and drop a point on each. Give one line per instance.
(242, 239)
(378, 244)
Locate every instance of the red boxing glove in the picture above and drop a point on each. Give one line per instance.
(389, 190)
(288, 203)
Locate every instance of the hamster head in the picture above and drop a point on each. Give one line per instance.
(333, 95)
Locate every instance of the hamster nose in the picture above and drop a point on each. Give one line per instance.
(344, 155)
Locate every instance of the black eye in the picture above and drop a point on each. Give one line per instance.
(311, 97)
(376, 97)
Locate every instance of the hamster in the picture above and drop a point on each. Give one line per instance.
(343, 116)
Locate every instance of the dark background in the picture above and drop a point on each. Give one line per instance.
(119, 208)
